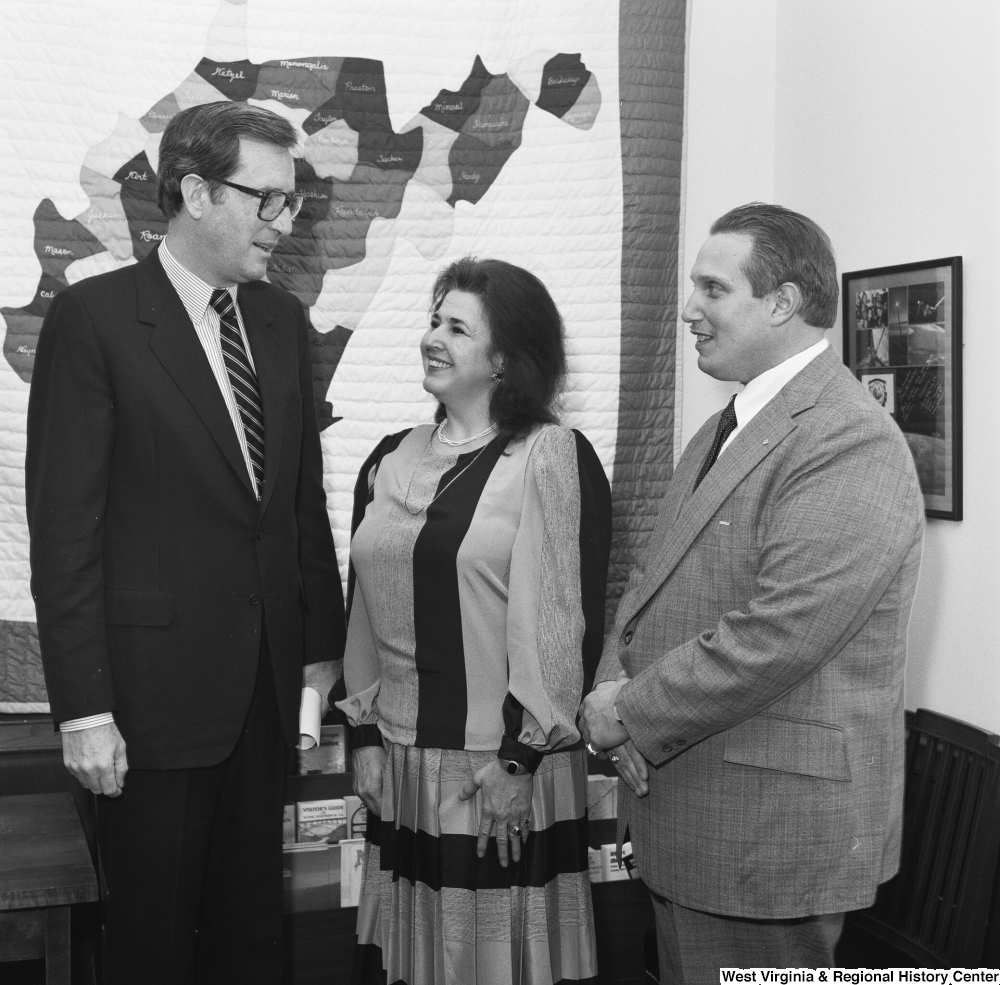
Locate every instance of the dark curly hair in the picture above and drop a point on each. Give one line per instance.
(526, 338)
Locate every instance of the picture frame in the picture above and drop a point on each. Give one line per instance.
(903, 342)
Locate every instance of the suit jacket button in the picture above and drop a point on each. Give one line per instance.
(628, 637)
(668, 748)
(681, 742)
(255, 599)
(260, 535)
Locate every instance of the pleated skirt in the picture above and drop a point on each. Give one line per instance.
(433, 913)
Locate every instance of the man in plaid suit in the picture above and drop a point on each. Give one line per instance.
(751, 693)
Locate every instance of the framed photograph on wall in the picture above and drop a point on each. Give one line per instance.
(903, 341)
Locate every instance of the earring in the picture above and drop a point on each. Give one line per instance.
(497, 377)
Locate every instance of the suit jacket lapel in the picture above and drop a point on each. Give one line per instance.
(267, 362)
(177, 346)
(751, 446)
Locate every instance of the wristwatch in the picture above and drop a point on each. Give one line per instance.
(513, 767)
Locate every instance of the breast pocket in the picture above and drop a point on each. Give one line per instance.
(725, 532)
(725, 549)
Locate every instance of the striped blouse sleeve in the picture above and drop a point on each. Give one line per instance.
(557, 578)
(361, 667)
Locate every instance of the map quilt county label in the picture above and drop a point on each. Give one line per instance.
(352, 168)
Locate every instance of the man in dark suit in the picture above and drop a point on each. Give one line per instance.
(183, 567)
(751, 693)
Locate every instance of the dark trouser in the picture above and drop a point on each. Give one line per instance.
(192, 863)
(693, 946)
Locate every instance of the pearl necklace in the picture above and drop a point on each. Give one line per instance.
(461, 441)
(419, 509)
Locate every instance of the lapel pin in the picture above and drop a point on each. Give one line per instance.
(765, 441)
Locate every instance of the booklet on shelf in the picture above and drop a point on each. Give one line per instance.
(352, 870)
(611, 871)
(321, 821)
(330, 756)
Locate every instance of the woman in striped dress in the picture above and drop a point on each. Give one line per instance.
(479, 561)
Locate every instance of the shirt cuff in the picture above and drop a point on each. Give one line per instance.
(91, 721)
(310, 717)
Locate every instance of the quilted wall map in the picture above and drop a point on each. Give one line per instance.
(545, 134)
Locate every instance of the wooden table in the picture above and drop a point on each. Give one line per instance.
(44, 868)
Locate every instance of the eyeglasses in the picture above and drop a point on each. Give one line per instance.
(272, 204)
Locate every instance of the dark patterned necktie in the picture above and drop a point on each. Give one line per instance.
(727, 425)
(243, 380)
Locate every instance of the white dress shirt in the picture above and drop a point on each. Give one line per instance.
(196, 296)
(761, 390)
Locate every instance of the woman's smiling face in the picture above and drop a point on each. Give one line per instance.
(456, 351)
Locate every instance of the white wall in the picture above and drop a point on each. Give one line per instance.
(884, 121)
(729, 150)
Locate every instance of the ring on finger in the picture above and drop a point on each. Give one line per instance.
(591, 749)
(517, 831)
(615, 759)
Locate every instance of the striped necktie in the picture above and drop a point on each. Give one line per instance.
(727, 425)
(243, 380)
